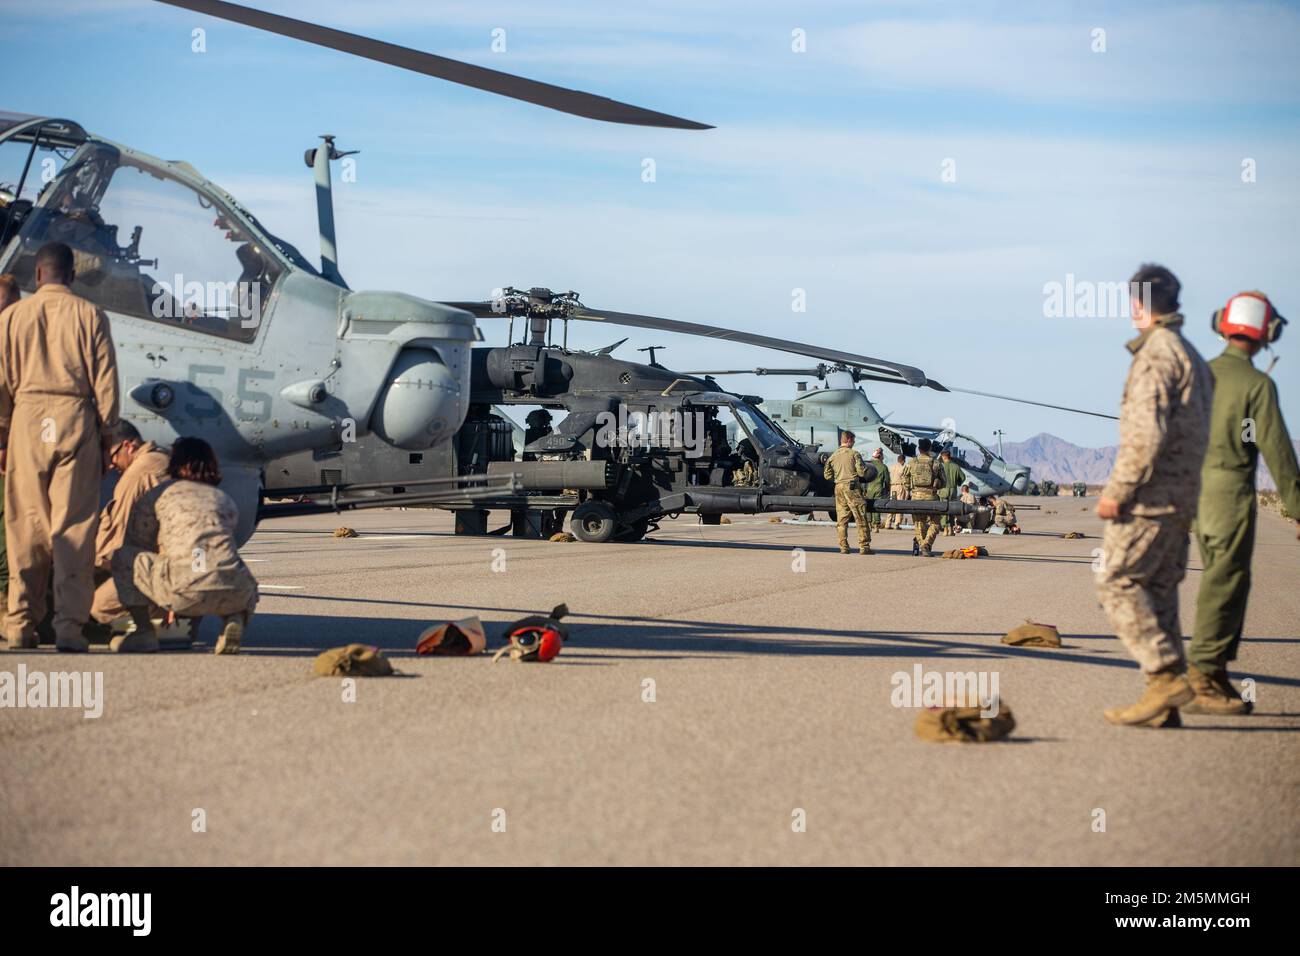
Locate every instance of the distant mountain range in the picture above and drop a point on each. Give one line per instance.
(1065, 463)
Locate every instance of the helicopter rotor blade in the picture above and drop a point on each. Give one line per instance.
(889, 371)
(814, 372)
(575, 102)
(1028, 401)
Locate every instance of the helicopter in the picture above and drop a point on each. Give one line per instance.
(639, 442)
(226, 331)
(819, 415)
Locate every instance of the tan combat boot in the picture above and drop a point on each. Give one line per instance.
(1158, 705)
(140, 639)
(232, 634)
(1215, 695)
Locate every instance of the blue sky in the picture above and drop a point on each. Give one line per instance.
(824, 174)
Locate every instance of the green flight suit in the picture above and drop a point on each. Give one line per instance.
(1244, 422)
(878, 487)
(953, 477)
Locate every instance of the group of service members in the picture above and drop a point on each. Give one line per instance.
(163, 548)
(922, 479)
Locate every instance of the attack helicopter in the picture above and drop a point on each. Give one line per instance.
(818, 416)
(638, 443)
(225, 331)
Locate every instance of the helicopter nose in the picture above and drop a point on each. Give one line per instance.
(1020, 484)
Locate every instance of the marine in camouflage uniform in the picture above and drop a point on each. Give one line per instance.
(845, 467)
(1245, 422)
(1004, 514)
(195, 568)
(1164, 421)
(877, 486)
(923, 480)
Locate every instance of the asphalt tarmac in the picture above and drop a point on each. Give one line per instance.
(771, 737)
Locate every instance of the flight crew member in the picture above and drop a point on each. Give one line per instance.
(967, 498)
(1245, 421)
(191, 564)
(141, 466)
(923, 479)
(845, 467)
(877, 487)
(1150, 500)
(896, 491)
(953, 476)
(1004, 514)
(58, 416)
(9, 294)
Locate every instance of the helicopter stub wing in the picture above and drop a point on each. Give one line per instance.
(559, 98)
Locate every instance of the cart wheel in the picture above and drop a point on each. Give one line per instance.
(593, 521)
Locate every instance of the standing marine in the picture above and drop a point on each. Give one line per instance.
(923, 479)
(896, 491)
(1150, 500)
(877, 485)
(953, 476)
(1245, 422)
(845, 468)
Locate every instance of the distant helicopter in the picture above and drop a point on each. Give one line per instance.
(818, 416)
(224, 330)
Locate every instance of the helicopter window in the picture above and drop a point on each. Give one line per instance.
(15, 157)
(149, 246)
(763, 431)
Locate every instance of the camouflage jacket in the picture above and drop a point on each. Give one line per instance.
(192, 525)
(844, 464)
(1164, 422)
(923, 476)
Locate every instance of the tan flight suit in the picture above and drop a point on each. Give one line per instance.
(191, 564)
(845, 466)
(148, 469)
(1164, 426)
(923, 479)
(898, 493)
(58, 401)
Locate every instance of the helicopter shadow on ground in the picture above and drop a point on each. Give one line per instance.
(665, 639)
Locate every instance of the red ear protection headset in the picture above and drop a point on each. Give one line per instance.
(1249, 314)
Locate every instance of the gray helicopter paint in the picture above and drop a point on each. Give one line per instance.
(252, 401)
(817, 417)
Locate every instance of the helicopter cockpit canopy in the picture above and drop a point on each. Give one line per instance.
(149, 244)
(764, 432)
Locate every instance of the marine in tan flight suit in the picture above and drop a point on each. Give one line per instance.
(845, 467)
(58, 413)
(190, 565)
(1149, 502)
(142, 466)
(896, 491)
(9, 294)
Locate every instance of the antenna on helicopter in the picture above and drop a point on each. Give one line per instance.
(318, 158)
(652, 349)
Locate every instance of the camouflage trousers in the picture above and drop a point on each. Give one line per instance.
(850, 504)
(926, 525)
(144, 578)
(1143, 560)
